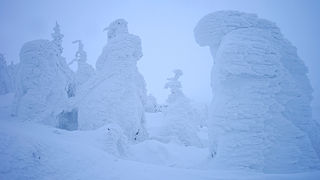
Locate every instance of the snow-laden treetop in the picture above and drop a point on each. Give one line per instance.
(122, 47)
(81, 55)
(57, 38)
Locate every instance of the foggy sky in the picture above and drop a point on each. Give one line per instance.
(166, 30)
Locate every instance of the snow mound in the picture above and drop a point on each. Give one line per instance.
(260, 111)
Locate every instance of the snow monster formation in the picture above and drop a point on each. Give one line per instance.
(43, 81)
(179, 114)
(116, 94)
(260, 116)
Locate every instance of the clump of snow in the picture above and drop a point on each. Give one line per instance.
(260, 116)
(116, 93)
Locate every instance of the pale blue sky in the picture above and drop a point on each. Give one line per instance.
(166, 31)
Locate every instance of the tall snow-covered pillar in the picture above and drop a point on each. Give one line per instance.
(116, 94)
(260, 116)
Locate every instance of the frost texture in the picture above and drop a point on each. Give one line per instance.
(116, 94)
(260, 112)
(179, 114)
(43, 81)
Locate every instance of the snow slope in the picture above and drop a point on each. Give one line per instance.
(34, 151)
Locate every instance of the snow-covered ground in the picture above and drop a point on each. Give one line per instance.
(34, 151)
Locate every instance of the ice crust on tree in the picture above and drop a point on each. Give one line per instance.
(116, 94)
(179, 114)
(260, 116)
(43, 81)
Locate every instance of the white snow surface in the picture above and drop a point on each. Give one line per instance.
(260, 116)
(30, 150)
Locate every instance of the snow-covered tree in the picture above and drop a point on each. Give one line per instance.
(57, 39)
(260, 116)
(62, 63)
(179, 114)
(43, 81)
(85, 70)
(5, 80)
(116, 94)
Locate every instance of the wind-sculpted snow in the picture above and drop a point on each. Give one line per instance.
(116, 94)
(260, 111)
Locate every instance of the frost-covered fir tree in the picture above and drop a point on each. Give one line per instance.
(85, 70)
(179, 114)
(5, 80)
(43, 80)
(116, 94)
(260, 116)
(57, 39)
(62, 63)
